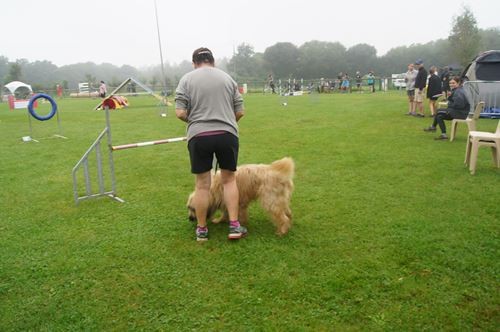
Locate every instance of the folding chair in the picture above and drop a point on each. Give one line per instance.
(471, 122)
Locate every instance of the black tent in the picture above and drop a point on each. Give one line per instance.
(485, 67)
(482, 82)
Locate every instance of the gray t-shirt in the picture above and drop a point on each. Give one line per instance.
(410, 79)
(211, 99)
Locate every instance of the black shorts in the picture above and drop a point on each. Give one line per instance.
(202, 150)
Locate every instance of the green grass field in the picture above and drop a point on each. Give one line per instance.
(391, 232)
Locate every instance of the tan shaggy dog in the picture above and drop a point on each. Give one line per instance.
(271, 185)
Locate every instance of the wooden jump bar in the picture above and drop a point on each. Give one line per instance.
(141, 144)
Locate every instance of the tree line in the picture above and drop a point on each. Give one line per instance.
(312, 60)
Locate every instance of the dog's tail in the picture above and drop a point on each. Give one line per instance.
(285, 166)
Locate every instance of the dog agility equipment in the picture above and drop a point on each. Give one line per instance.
(97, 147)
(31, 111)
(162, 101)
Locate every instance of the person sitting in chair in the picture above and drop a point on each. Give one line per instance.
(458, 108)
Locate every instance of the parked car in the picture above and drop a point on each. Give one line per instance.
(398, 81)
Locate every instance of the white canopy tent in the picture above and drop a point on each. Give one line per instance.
(14, 85)
(18, 94)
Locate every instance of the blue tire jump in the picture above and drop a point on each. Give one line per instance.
(32, 110)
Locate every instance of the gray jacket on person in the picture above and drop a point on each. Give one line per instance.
(410, 79)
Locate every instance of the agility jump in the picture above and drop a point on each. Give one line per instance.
(96, 147)
(162, 99)
(32, 111)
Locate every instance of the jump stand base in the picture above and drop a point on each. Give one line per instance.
(108, 194)
(29, 139)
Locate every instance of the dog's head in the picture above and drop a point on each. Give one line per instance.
(212, 207)
(191, 209)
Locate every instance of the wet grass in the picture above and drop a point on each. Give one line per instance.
(390, 230)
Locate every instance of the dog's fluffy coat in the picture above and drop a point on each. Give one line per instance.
(271, 185)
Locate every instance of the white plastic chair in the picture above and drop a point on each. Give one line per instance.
(471, 122)
(477, 139)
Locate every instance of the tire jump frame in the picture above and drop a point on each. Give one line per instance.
(32, 113)
(96, 148)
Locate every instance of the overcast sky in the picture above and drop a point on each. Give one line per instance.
(124, 31)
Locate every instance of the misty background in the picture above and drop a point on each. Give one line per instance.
(310, 60)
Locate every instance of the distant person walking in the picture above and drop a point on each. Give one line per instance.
(420, 84)
(103, 90)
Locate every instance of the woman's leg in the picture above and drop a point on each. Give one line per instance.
(442, 114)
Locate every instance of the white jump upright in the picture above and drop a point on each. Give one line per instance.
(101, 170)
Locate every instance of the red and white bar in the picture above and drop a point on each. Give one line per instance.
(138, 145)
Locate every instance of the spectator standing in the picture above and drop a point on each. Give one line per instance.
(359, 80)
(102, 90)
(338, 81)
(445, 81)
(332, 84)
(371, 81)
(270, 82)
(433, 89)
(59, 90)
(420, 84)
(410, 76)
(345, 83)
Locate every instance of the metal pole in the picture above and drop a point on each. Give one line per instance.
(110, 151)
(59, 128)
(88, 186)
(58, 122)
(75, 187)
(164, 79)
(29, 120)
(99, 167)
